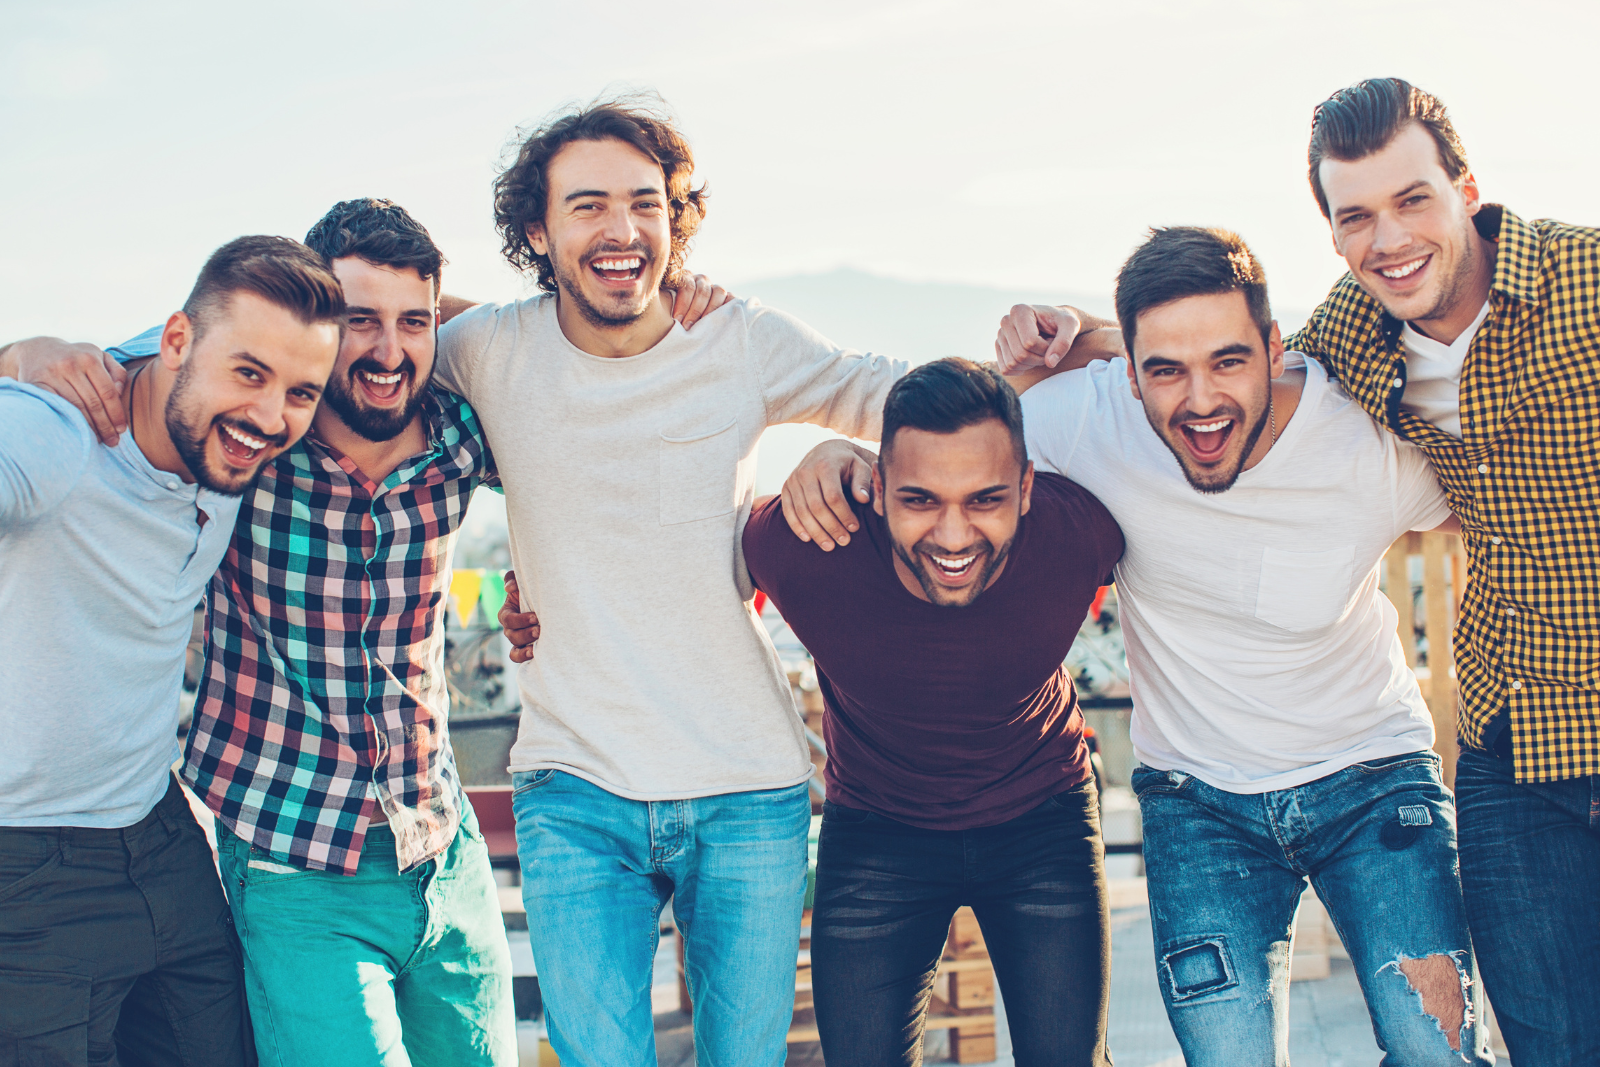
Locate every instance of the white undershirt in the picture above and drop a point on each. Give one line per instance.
(1433, 375)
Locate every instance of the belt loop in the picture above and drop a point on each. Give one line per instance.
(166, 820)
(64, 843)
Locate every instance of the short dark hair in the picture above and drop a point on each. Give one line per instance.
(522, 191)
(277, 269)
(380, 232)
(1176, 262)
(1355, 122)
(948, 395)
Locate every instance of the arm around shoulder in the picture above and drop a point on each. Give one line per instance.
(804, 377)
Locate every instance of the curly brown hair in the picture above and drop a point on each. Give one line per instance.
(522, 192)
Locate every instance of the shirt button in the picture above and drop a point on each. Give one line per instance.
(1483, 468)
(1516, 685)
(1398, 382)
(1511, 611)
(1496, 540)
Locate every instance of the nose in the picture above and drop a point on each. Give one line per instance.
(1390, 234)
(1204, 397)
(265, 413)
(619, 225)
(389, 351)
(952, 530)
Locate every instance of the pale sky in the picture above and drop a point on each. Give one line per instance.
(1007, 144)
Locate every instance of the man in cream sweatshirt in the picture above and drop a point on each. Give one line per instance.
(659, 754)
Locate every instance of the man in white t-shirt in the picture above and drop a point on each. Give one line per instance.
(1280, 734)
(659, 753)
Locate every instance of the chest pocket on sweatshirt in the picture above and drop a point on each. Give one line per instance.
(698, 474)
(1304, 591)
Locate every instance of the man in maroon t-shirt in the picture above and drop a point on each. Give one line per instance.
(957, 771)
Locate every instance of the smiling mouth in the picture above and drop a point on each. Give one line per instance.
(239, 447)
(1401, 271)
(1207, 441)
(382, 387)
(953, 570)
(618, 268)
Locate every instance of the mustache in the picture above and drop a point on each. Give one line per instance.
(637, 248)
(275, 440)
(1185, 415)
(372, 366)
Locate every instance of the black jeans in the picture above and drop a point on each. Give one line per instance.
(117, 947)
(886, 893)
(1530, 871)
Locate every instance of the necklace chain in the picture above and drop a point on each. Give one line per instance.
(1272, 415)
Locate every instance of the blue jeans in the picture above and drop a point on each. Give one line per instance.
(1530, 867)
(1226, 871)
(378, 967)
(597, 870)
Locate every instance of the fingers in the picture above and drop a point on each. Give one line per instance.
(1065, 325)
(861, 481)
(100, 386)
(1023, 339)
(816, 508)
(520, 627)
(696, 296)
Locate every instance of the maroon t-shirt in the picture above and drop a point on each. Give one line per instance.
(945, 718)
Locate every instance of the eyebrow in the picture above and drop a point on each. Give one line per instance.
(408, 313)
(1420, 183)
(917, 489)
(646, 190)
(1238, 348)
(245, 357)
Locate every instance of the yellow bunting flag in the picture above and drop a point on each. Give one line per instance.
(464, 588)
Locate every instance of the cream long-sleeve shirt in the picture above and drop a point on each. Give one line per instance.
(627, 485)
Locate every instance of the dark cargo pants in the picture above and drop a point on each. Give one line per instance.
(117, 947)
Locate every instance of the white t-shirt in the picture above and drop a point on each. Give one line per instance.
(1262, 653)
(628, 483)
(1433, 375)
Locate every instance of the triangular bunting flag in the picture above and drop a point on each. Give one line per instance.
(493, 595)
(464, 587)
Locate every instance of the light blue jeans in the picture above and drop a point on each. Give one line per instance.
(1226, 870)
(597, 870)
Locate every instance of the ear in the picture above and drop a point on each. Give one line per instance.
(1027, 487)
(176, 340)
(877, 487)
(536, 238)
(1133, 379)
(1470, 193)
(1275, 351)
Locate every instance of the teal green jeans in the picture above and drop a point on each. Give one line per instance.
(376, 969)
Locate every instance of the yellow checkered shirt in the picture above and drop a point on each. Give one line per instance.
(1524, 480)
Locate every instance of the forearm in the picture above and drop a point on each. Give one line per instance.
(8, 361)
(451, 306)
(1093, 342)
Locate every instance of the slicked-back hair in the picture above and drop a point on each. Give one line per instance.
(381, 232)
(280, 270)
(1355, 122)
(1177, 262)
(948, 395)
(641, 120)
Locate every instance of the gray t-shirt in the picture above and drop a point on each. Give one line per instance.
(627, 483)
(102, 561)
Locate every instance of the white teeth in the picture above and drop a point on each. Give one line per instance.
(1210, 427)
(244, 439)
(954, 566)
(633, 263)
(382, 379)
(1404, 270)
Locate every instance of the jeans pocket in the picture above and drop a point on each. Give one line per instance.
(839, 815)
(1147, 780)
(22, 874)
(1393, 763)
(47, 1009)
(523, 781)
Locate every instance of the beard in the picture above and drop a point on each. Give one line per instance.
(941, 595)
(1454, 287)
(1213, 480)
(571, 285)
(375, 424)
(190, 431)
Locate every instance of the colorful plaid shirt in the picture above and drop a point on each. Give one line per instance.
(323, 703)
(1524, 480)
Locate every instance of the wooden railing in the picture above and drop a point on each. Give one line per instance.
(1428, 599)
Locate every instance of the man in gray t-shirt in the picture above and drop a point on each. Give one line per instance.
(114, 933)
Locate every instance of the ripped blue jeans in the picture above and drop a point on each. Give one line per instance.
(1225, 873)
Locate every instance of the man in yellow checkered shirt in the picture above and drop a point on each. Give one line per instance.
(1476, 335)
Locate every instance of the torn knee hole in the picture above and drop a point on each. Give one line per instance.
(1441, 984)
